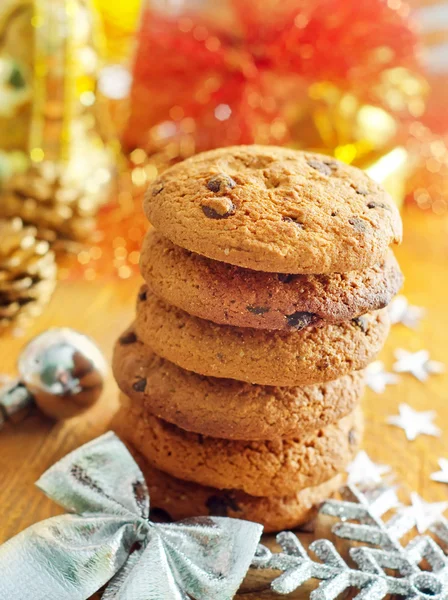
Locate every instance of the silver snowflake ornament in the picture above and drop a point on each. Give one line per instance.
(377, 378)
(414, 423)
(442, 475)
(400, 311)
(417, 363)
(380, 565)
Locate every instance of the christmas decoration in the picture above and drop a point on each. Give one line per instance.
(119, 24)
(55, 198)
(382, 567)
(442, 475)
(428, 137)
(291, 73)
(428, 156)
(61, 370)
(364, 470)
(400, 311)
(425, 514)
(27, 273)
(110, 538)
(16, 50)
(377, 378)
(414, 423)
(417, 363)
(69, 166)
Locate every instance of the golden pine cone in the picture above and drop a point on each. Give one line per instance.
(46, 196)
(27, 273)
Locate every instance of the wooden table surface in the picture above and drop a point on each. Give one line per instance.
(104, 309)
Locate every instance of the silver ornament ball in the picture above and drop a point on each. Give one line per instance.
(64, 370)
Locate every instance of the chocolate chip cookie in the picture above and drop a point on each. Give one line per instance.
(225, 407)
(313, 355)
(275, 209)
(173, 499)
(261, 468)
(235, 296)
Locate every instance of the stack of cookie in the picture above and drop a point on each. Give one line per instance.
(267, 276)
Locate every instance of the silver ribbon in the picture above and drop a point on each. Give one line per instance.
(110, 539)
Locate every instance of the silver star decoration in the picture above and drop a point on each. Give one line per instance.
(400, 311)
(424, 513)
(442, 475)
(416, 363)
(377, 378)
(364, 470)
(414, 423)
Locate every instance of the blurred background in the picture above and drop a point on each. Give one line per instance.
(97, 97)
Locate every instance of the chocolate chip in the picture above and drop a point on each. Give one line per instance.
(300, 319)
(139, 385)
(285, 277)
(293, 220)
(258, 310)
(142, 296)
(323, 168)
(358, 224)
(158, 515)
(352, 437)
(128, 338)
(218, 207)
(221, 183)
(323, 364)
(378, 205)
(362, 323)
(360, 190)
(157, 187)
(218, 506)
(333, 164)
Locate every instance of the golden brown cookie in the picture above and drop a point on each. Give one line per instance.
(225, 407)
(232, 295)
(173, 499)
(263, 468)
(275, 209)
(312, 355)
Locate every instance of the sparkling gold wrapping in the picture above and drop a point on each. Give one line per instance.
(56, 125)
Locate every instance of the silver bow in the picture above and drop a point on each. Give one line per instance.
(110, 539)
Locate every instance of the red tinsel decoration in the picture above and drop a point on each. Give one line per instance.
(258, 62)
